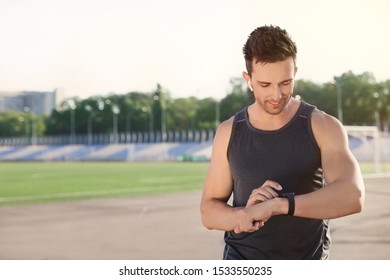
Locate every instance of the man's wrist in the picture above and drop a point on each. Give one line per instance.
(281, 206)
(290, 197)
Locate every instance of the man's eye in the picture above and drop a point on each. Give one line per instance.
(286, 83)
(264, 85)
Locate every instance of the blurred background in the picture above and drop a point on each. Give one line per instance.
(120, 100)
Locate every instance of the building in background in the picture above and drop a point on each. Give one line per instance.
(37, 102)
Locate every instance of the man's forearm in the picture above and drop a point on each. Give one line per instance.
(333, 201)
(218, 215)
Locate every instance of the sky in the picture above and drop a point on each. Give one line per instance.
(191, 48)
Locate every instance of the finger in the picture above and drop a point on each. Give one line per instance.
(237, 230)
(266, 191)
(273, 184)
(257, 225)
(271, 192)
(255, 199)
(272, 187)
(262, 223)
(259, 196)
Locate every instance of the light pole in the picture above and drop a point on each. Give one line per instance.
(115, 113)
(145, 110)
(25, 121)
(33, 121)
(34, 131)
(89, 122)
(27, 110)
(378, 104)
(336, 82)
(100, 105)
(90, 127)
(128, 124)
(163, 112)
(217, 113)
(72, 107)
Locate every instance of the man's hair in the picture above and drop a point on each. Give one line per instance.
(268, 44)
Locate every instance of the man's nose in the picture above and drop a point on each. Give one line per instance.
(276, 93)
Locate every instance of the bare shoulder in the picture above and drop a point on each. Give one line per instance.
(227, 124)
(338, 162)
(224, 130)
(328, 130)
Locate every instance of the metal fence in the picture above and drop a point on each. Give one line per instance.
(182, 136)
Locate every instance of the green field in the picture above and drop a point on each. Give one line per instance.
(26, 183)
(40, 182)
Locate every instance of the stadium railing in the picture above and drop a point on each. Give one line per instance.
(175, 136)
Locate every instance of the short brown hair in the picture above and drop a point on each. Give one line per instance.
(268, 44)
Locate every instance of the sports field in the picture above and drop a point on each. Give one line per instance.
(143, 211)
(37, 182)
(40, 182)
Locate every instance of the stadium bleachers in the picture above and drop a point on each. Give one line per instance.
(191, 151)
(113, 152)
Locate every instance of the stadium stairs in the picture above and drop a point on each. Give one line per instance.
(110, 152)
(188, 151)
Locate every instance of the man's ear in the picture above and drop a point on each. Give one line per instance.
(247, 78)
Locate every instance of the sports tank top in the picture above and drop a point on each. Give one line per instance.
(290, 156)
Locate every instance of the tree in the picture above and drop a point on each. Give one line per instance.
(14, 124)
(382, 96)
(360, 97)
(363, 102)
(322, 96)
(182, 113)
(206, 113)
(239, 97)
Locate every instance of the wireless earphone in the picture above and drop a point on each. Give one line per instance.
(250, 86)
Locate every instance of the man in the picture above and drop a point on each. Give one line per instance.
(286, 163)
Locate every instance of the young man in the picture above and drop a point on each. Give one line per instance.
(287, 164)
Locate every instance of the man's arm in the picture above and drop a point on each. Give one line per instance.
(218, 186)
(344, 191)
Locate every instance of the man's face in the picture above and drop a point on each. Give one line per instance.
(273, 84)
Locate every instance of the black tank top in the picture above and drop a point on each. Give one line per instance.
(291, 157)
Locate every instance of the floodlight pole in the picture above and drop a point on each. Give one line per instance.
(72, 107)
(91, 115)
(128, 124)
(217, 113)
(115, 112)
(339, 101)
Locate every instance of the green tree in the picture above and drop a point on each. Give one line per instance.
(182, 113)
(206, 113)
(18, 124)
(239, 97)
(364, 102)
(360, 97)
(382, 98)
(322, 96)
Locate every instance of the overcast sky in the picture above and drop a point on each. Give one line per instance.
(192, 48)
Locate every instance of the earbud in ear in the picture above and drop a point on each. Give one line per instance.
(250, 86)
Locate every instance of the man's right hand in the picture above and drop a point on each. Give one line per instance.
(264, 193)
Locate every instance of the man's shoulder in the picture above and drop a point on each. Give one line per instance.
(324, 119)
(226, 126)
(326, 128)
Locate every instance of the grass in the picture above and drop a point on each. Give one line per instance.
(41, 182)
(368, 167)
(29, 182)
